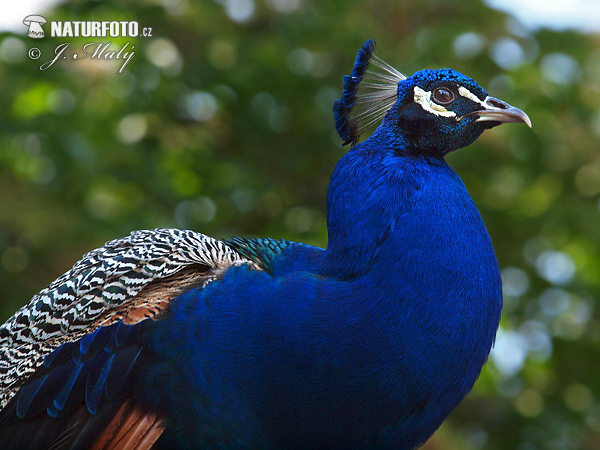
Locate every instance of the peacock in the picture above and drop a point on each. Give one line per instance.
(171, 339)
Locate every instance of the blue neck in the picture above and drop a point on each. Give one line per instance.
(381, 200)
(371, 188)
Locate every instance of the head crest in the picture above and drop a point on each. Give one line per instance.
(364, 103)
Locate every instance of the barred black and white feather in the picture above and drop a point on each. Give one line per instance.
(368, 94)
(128, 279)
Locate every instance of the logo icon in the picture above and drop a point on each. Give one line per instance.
(35, 22)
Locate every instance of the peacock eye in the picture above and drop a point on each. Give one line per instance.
(443, 96)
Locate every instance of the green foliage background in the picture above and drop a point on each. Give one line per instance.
(225, 127)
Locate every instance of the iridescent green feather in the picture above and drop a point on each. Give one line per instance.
(261, 251)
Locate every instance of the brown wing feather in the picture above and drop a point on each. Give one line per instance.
(130, 429)
(154, 299)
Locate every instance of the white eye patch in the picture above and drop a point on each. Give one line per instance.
(468, 94)
(487, 104)
(423, 98)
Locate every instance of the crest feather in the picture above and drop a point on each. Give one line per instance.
(367, 96)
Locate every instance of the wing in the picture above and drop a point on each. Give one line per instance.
(83, 396)
(71, 358)
(128, 279)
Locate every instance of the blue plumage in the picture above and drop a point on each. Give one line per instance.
(370, 342)
(93, 368)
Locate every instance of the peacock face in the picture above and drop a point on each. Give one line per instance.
(439, 111)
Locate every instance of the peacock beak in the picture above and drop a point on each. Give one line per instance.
(498, 111)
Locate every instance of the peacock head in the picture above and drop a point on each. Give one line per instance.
(432, 112)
